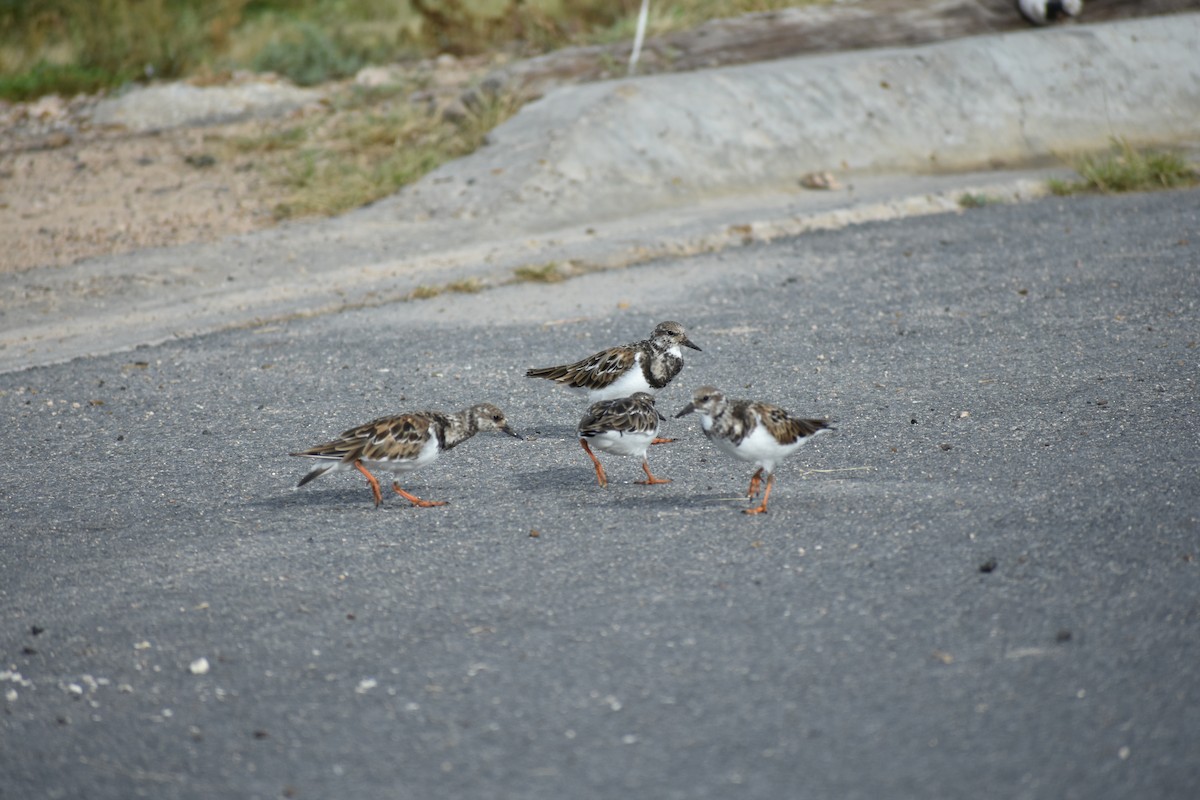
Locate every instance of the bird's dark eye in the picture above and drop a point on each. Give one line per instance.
(496, 417)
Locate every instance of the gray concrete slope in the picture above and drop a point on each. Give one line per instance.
(613, 173)
(611, 148)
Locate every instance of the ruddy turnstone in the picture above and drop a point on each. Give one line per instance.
(1042, 12)
(624, 427)
(757, 432)
(644, 366)
(402, 443)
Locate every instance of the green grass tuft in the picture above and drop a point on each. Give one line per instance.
(1128, 169)
(969, 200)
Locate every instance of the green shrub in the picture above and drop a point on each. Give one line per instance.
(46, 78)
(67, 46)
(307, 55)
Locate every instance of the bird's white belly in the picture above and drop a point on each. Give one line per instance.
(622, 444)
(765, 450)
(759, 447)
(631, 382)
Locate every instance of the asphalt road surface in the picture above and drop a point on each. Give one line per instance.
(986, 583)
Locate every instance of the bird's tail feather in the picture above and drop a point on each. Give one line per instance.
(542, 372)
(316, 473)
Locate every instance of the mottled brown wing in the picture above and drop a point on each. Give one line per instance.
(786, 428)
(627, 414)
(387, 438)
(398, 438)
(593, 372)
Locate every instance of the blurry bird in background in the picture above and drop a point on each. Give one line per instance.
(1044, 12)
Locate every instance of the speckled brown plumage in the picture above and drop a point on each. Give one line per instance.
(624, 426)
(752, 431)
(644, 366)
(402, 443)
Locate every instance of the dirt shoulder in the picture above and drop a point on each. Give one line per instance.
(112, 192)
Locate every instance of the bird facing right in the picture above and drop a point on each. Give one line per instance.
(644, 366)
(751, 431)
(402, 443)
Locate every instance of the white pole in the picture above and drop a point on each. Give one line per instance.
(643, 15)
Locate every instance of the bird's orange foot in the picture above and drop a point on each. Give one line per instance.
(661, 440)
(416, 501)
(650, 479)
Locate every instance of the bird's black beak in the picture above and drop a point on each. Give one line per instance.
(689, 343)
(689, 408)
(512, 433)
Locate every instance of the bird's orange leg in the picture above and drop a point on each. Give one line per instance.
(661, 440)
(371, 480)
(416, 501)
(650, 479)
(600, 476)
(762, 508)
(755, 482)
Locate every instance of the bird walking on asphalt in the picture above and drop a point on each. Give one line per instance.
(625, 427)
(760, 433)
(402, 443)
(644, 366)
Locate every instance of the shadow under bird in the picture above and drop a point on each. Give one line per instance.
(760, 433)
(402, 443)
(624, 427)
(644, 366)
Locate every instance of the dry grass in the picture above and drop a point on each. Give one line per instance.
(332, 162)
(425, 293)
(546, 273)
(463, 286)
(466, 286)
